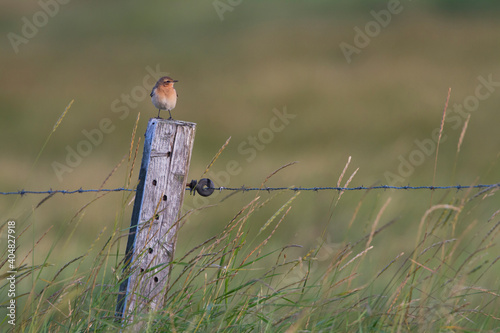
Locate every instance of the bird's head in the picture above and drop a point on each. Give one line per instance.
(167, 81)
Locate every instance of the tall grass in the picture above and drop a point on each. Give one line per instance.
(448, 282)
(239, 280)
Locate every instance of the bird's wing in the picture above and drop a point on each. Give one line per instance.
(153, 91)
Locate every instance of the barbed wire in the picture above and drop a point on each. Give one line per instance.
(358, 188)
(269, 189)
(80, 190)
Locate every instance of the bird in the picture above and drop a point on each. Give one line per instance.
(163, 95)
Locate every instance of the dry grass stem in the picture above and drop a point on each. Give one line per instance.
(216, 157)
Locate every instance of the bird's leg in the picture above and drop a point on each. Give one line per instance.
(170, 115)
(158, 113)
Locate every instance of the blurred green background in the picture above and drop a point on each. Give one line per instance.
(236, 62)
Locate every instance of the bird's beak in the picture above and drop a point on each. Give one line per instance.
(175, 80)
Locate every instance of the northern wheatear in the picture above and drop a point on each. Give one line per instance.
(164, 95)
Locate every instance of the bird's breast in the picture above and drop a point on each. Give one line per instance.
(164, 100)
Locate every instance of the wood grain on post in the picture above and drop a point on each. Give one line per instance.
(155, 216)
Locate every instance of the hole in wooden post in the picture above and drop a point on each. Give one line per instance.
(155, 279)
(150, 250)
(164, 198)
(142, 270)
(168, 154)
(157, 217)
(154, 182)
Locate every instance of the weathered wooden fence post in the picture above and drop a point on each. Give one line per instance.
(154, 223)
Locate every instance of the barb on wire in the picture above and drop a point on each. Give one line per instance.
(269, 189)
